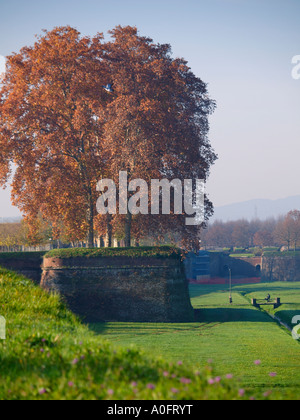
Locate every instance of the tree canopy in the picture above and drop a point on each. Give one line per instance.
(74, 110)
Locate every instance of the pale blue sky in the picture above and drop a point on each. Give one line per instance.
(242, 48)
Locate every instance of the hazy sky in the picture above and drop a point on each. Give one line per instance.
(243, 49)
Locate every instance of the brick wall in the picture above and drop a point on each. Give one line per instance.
(28, 264)
(240, 267)
(121, 288)
(277, 268)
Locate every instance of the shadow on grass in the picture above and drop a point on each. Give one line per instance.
(230, 315)
(287, 316)
(98, 327)
(205, 315)
(244, 289)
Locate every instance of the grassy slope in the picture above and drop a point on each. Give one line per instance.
(233, 336)
(49, 354)
(288, 292)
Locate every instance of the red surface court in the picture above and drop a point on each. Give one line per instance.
(221, 280)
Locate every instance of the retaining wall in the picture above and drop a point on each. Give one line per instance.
(122, 289)
(28, 264)
(281, 268)
(240, 267)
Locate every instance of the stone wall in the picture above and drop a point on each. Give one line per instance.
(281, 268)
(27, 263)
(143, 289)
(240, 267)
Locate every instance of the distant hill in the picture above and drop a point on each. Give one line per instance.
(253, 209)
(249, 210)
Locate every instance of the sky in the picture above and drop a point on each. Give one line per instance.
(243, 50)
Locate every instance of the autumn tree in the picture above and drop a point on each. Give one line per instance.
(218, 234)
(263, 238)
(10, 236)
(50, 128)
(294, 219)
(288, 229)
(156, 122)
(35, 232)
(240, 233)
(74, 110)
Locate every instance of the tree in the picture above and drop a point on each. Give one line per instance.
(50, 128)
(9, 236)
(241, 234)
(218, 235)
(263, 238)
(156, 123)
(75, 109)
(288, 229)
(294, 218)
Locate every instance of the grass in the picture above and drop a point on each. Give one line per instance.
(49, 354)
(234, 336)
(289, 294)
(146, 251)
(244, 255)
(290, 253)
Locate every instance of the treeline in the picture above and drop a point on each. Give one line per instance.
(12, 236)
(283, 231)
(22, 236)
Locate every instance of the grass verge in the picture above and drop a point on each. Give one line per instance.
(48, 354)
(233, 336)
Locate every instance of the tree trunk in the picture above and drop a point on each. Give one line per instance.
(108, 231)
(102, 244)
(128, 230)
(90, 239)
(90, 220)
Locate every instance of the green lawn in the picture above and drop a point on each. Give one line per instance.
(49, 354)
(233, 336)
(244, 255)
(288, 292)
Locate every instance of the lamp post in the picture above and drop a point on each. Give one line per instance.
(230, 283)
(230, 286)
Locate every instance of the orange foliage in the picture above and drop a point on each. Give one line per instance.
(63, 131)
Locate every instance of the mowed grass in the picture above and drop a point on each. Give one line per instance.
(233, 336)
(49, 354)
(289, 294)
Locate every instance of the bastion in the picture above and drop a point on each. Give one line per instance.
(147, 285)
(26, 263)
